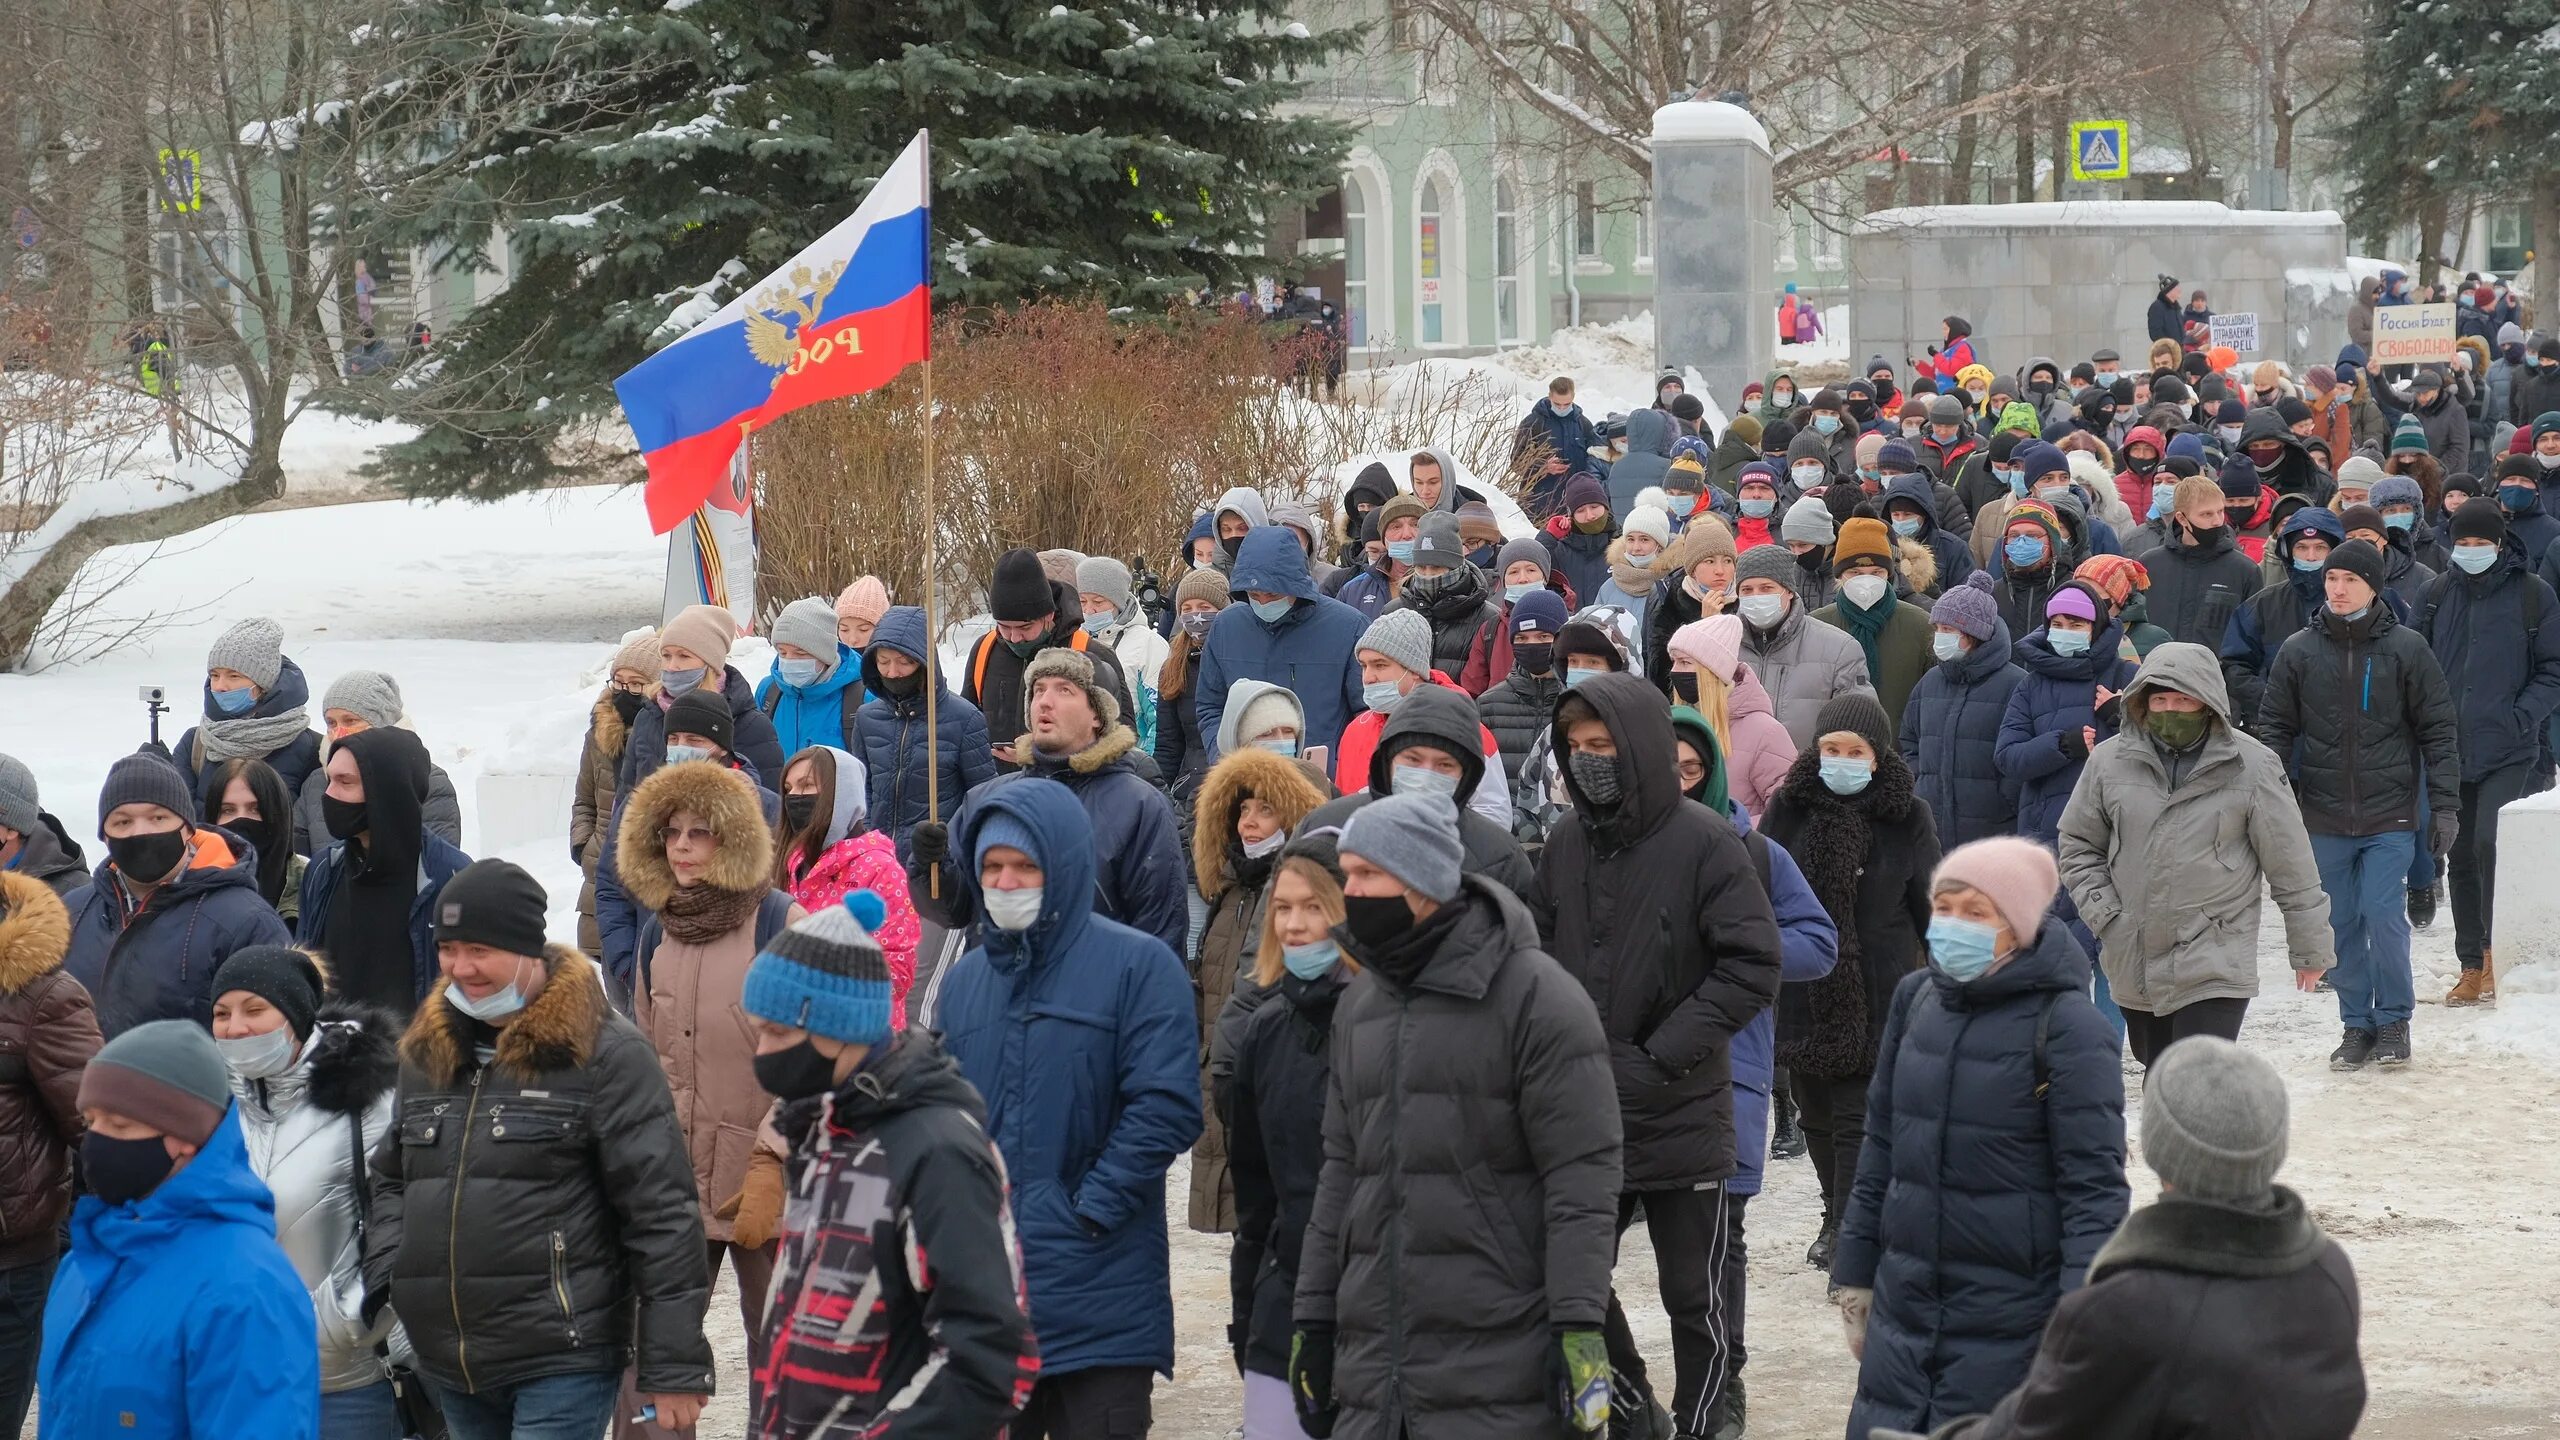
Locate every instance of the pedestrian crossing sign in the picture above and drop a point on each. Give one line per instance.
(2099, 151)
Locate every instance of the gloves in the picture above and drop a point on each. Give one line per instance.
(2075, 746)
(1855, 1303)
(755, 1212)
(2442, 833)
(1583, 1379)
(930, 842)
(1311, 1380)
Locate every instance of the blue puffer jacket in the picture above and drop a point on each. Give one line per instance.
(158, 963)
(820, 714)
(438, 863)
(1306, 652)
(891, 738)
(292, 761)
(1978, 1205)
(2505, 674)
(1808, 946)
(1083, 1037)
(1950, 735)
(2057, 697)
(646, 749)
(161, 1304)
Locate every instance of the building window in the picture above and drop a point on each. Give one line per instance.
(1355, 262)
(1828, 221)
(1586, 221)
(1644, 232)
(1783, 247)
(1427, 259)
(1506, 262)
(2509, 238)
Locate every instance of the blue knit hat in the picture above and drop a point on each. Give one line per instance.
(1003, 828)
(826, 975)
(1541, 610)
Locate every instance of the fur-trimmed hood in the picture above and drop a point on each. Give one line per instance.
(556, 1032)
(721, 796)
(1645, 574)
(354, 1056)
(1247, 772)
(1915, 564)
(1115, 742)
(605, 727)
(35, 931)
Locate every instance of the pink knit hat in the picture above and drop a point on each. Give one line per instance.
(2017, 874)
(1713, 644)
(864, 599)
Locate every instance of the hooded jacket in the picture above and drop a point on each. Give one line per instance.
(590, 806)
(160, 1302)
(48, 1032)
(1647, 461)
(892, 735)
(1468, 1204)
(2275, 614)
(48, 853)
(1081, 1035)
(1445, 716)
(893, 1167)
(2166, 854)
(293, 761)
(1953, 555)
(2504, 691)
(442, 814)
(992, 675)
(646, 749)
(390, 804)
(2448, 429)
(1950, 737)
(2198, 585)
(1460, 615)
(2361, 713)
(1804, 664)
(1980, 1202)
(2022, 593)
(1307, 652)
(2040, 741)
(1273, 1104)
(157, 962)
(1375, 484)
(1517, 711)
(2297, 473)
(819, 713)
(1672, 989)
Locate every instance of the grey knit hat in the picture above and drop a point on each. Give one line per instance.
(1969, 607)
(368, 693)
(1402, 636)
(20, 809)
(1412, 837)
(809, 623)
(1101, 575)
(1525, 548)
(2395, 490)
(1808, 520)
(1438, 543)
(254, 647)
(2359, 470)
(2214, 1119)
(144, 780)
(1766, 562)
(165, 1074)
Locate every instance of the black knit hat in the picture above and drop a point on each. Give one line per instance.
(2478, 518)
(2513, 466)
(493, 903)
(280, 975)
(2359, 559)
(1581, 637)
(1020, 590)
(145, 780)
(2239, 479)
(1859, 713)
(704, 713)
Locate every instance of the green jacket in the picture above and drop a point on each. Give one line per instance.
(1904, 651)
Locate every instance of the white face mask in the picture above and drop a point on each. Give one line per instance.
(1863, 590)
(1256, 849)
(494, 1006)
(1764, 610)
(255, 1057)
(1015, 910)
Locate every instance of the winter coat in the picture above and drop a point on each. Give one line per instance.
(48, 1032)
(2360, 313)
(1808, 946)
(48, 853)
(1141, 652)
(1674, 988)
(1274, 1107)
(2404, 578)
(645, 751)
(2166, 872)
(2355, 709)
(1725, 462)
(1868, 858)
(892, 1167)
(2258, 631)
(1804, 664)
(2537, 393)
(2448, 429)
(992, 674)
(1646, 463)
(2199, 1318)
(1517, 711)
(2197, 588)
(311, 828)
(178, 1317)
(1355, 761)
(1444, 714)
(1490, 658)
(328, 870)
(1583, 560)
(569, 1129)
(590, 806)
(2021, 594)
(2040, 742)
(309, 1130)
(1950, 737)
(293, 761)
(2504, 692)
(1181, 751)
(1905, 649)
(1458, 619)
(157, 962)
(892, 735)
(1082, 1036)
(1762, 749)
(1952, 556)
(2162, 320)
(1988, 1183)
(1306, 652)
(818, 714)
(868, 861)
(1468, 1205)
(1543, 434)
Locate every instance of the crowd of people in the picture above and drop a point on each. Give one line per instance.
(1952, 726)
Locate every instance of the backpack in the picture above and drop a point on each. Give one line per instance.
(1082, 640)
(848, 701)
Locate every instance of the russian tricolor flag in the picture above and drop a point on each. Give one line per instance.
(843, 317)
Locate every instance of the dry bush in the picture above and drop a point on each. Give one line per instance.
(1403, 409)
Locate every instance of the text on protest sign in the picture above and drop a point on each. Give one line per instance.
(2239, 330)
(2412, 334)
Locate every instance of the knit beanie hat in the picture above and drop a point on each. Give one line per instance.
(1713, 645)
(1206, 585)
(1584, 489)
(2320, 377)
(1019, 591)
(1439, 543)
(2214, 1120)
(1007, 829)
(2362, 472)
(1525, 548)
(1893, 456)
(827, 974)
(1861, 714)
(1412, 837)
(1101, 575)
(2392, 490)
(2546, 423)
(2360, 517)
(707, 631)
(1767, 562)
(494, 903)
(639, 652)
(2359, 559)
(1760, 472)
(1776, 436)
(1402, 505)
(2116, 576)
(2477, 518)
(1808, 522)
(2515, 467)
(1687, 474)
(1402, 636)
(280, 975)
(144, 780)
(1869, 450)
(168, 1075)
(1585, 637)
(1706, 538)
(254, 647)
(2036, 459)
(1270, 708)
(705, 713)
(2239, 480)
(2018, 875)
(19, 807)
(809, 623)
(1648, 520)
(2074, 601)
(1969, 608)
(370, 694)
(1863, 541)
(1076, 668)
(1476, 525)
(1542, 612)
(1946, 410)
(2408, 435)
(1059, 566)
(1748, 427)
(864, 599)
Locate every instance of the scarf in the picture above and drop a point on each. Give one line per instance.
(1636, 577)
(366, 933)
(1828, 1027)
(1867, 626)
(250, 737)
(700, 914)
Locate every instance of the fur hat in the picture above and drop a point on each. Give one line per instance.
(726, 800)
(1076, 668)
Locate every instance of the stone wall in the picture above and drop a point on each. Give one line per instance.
(1715, 239)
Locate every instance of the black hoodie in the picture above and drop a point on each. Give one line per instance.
(365, 931)
(1447, 720)
(2297, 473)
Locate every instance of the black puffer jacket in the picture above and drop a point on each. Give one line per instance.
(2352, 708)
(2196, 587)
(1456, 615)
(991, 674)
(1273, 1105)
(570, 1135)
(1655, 906)
(644, 750)
(1517, 712)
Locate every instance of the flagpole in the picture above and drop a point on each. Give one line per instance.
(932, 570)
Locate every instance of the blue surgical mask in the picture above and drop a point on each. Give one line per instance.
(2016, 480)
(1757, 508)
(1285, 746)
(2475, 558)
(1561, 407)
(1846, 775)
(496, 1005)
(679, 754)
(1400, 551)
(1271, 611)
(1947, 644)
(680, 683)
(1573, 677)
(1806, 476)
(1826, 424)
(1096, 624)
(1517, 593)
(1681, 502)
(1419, 780)
(1962, 948)
(2067, 642)
(234, 702)
(2163, 499)
(2356, 614)
(1906, 525)
(2310, 567)
(1381, 695)
(2517, 499)
(1311, 961)
(798, 673)
(2024, 550)
(2401, 519)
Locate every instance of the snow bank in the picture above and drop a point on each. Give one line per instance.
(2079, 214)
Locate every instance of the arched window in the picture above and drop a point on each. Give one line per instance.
(1506, 262)
(1429, 263)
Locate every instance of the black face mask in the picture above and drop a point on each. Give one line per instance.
(2140, 466)
(148, 858)
(1813, 560)
(627, 703)
(254, 830)
(796, 1073)
(798, 811)
(345, 818)
(1684, 686)
(1862, 409)
(1376, 921)
(902, 686)
(1231, 544)
(123, 1171)
(1535, 659)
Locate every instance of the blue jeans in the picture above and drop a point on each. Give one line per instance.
(2099, 990)
(368, 1412)
(555, 1407)
(2366, 877)
(22, 1292)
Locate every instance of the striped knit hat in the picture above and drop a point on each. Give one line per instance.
(826, 975)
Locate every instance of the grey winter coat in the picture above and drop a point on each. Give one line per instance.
(1469, 1200)
(1804, 665)
(2168, 875)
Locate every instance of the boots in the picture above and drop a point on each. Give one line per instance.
(1731, 1429)
(1786, 1137)
(2354, 1051)
(2422, 906)
(2488, 975)
(2391, 1045)
(1818, 1254)
(2466, 991)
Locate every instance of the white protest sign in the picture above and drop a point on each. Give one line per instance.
(2239, 330)
(2412, 334)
